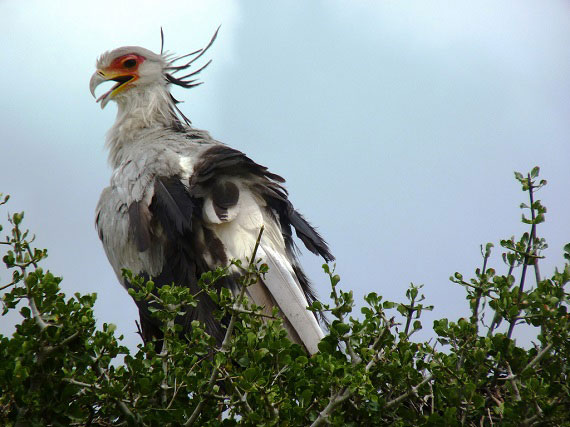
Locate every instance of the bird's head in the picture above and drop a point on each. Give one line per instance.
(131, 67)
(136, 69)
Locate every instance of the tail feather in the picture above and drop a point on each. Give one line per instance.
(290, 298)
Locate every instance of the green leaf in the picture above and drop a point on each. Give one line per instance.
(25, 312)
(341, 328)
(250, 374)
(17, 218)
(567, 251)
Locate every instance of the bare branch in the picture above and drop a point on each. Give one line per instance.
(253, 313)
(49, 349)
(7, 286)
(80, 383)
(537, 358)
(414, 391)
(513, 381)
(530, 364)
(32, 303)
(528, 253)
(334, 401)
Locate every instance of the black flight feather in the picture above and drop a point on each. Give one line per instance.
(139, 225)
(308, 235)
(221, 159)
(172, 206)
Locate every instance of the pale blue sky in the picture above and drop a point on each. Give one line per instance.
(396, 124)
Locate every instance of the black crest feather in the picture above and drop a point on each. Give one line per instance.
(186, 81)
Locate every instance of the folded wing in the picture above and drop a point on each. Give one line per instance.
(205, 218)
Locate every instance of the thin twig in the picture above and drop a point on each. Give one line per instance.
(32, 303)
(533, 362)
(527, 254)
(432, 398)
(531, 420)
(497, 318)
(414, 390)
(18, 245)
(373, 346)
(494, 398)
(47, 350)
(32, 260)
(253, 313)
(176, 390)
(274, 411)
(513, 381)
(475, 317)
(35, 312)
(354, 358)
(334, 401)
(80, 383)
(124, 409)
(410, 313)
(533, 234)
(537, 358)
(8, 285)
(283, 369)
(490, 417)
(164, 355)
(242, 397)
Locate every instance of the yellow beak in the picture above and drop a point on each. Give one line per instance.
(101, 76)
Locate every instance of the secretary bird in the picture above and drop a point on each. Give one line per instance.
(181, 203)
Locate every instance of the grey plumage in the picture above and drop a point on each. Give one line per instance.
(181, 203)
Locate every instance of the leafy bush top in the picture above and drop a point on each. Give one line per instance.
(59, 369)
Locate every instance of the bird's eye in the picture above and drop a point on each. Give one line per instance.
(129, 63)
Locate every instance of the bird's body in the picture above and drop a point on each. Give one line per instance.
(181, 203)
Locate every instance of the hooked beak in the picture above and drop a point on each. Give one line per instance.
(101, 76)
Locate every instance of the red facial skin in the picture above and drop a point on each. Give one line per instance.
(127, 63)
(123, 66)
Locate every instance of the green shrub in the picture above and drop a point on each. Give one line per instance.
(59, 369)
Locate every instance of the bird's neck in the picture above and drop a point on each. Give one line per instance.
(140, 113)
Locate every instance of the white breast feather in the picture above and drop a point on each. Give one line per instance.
(187, 166)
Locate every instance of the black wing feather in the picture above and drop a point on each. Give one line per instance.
(139, 222)
(173, 206)
(308, 235)
(177, 212)
(223, 160)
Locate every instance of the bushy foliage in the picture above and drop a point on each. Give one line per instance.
(59, 369)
